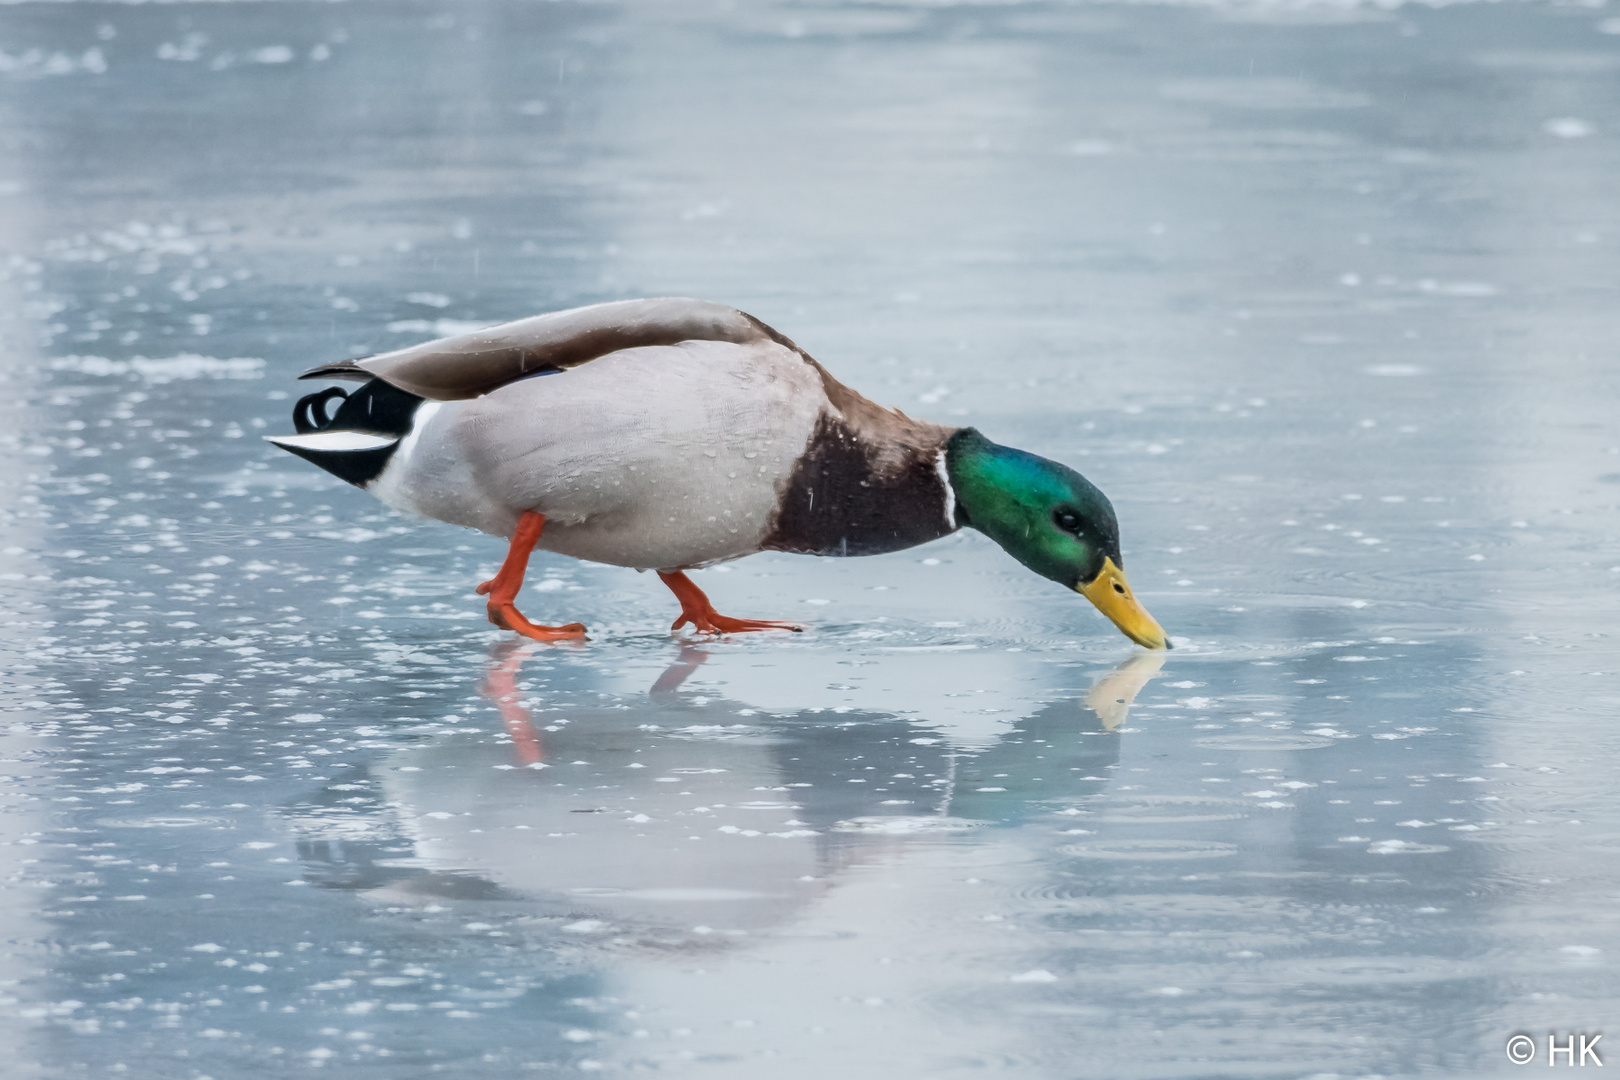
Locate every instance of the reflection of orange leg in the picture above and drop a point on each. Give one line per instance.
(503, 587)
(678, 672)
(696, 609)
(500, 686)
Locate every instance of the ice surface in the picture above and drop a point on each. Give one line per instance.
(1320, 293)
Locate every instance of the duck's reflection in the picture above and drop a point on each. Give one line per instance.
(1112, 695)
(685, 811)
(500, 686)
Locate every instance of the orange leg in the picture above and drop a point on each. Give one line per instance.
(503, 587)
(696, 609)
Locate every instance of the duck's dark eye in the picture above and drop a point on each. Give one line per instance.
(1067, 520)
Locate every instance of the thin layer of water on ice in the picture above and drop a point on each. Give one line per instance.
(1315, 291)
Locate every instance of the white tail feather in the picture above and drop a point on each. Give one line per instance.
(334, 441)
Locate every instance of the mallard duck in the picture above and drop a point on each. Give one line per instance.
(672, 434)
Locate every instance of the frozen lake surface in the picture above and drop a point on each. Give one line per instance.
(1322, 294)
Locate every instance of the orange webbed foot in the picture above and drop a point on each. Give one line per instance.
(508, 617)
(696, 609)
(712, 622)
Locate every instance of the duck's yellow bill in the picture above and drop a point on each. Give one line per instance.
(1112, 595)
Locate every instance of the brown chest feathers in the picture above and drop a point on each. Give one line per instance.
(868, 482)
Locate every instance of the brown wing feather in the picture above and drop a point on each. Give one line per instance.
(470, 365)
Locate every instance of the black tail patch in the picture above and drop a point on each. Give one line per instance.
(376, 408)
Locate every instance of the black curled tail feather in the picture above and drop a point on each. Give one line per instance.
(376, 408)
(310, 412)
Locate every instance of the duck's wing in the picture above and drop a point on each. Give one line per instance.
(470, 365)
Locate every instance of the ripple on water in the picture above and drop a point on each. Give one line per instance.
(895, 826)
(1278, 741)
(1148, 850)
(1404, 847)
(1370, 971)
(674, 895)
(710, 732)
(1169, 809)
(161, 822)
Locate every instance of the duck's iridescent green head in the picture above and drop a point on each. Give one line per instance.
(1051, 519)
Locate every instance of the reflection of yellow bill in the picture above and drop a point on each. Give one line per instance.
(1112, 595)
(1112, 695)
